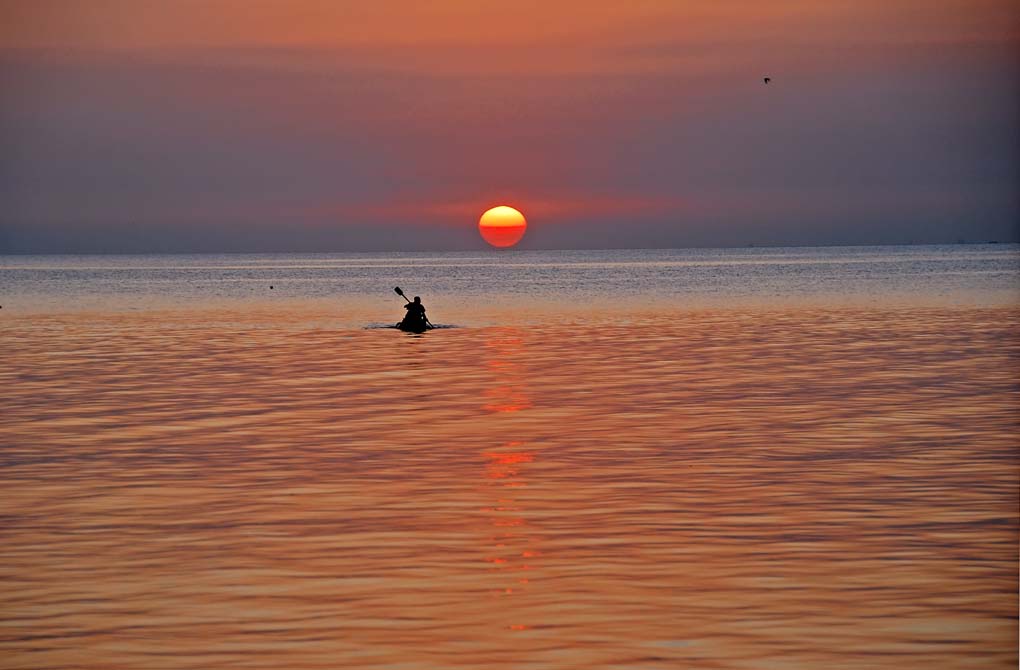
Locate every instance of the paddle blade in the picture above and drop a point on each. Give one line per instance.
(399, 292)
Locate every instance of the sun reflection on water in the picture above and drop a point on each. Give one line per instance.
(507, 393)
(505, 469)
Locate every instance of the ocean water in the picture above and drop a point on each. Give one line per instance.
(496, 288)
(753, 458)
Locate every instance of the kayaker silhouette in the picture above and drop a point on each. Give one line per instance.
(415, 320)
(415, 311)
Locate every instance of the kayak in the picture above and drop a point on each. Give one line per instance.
(412, 327)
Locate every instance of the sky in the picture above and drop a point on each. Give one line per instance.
(133, 126)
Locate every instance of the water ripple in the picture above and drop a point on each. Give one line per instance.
(790, 488)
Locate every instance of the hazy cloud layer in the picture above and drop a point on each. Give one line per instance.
(891, 123)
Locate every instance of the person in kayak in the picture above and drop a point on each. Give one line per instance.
(415, 318)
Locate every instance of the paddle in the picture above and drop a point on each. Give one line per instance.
(401, 294)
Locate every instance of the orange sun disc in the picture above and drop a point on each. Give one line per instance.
(502, 226)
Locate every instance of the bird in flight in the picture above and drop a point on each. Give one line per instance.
(767, 79)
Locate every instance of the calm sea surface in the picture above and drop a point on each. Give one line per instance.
(752, 458)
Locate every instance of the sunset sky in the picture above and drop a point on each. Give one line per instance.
(312, 125)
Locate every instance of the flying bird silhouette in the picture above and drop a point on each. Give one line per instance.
(767, 79)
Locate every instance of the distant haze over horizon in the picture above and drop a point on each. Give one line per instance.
(488, 250)
(308, 125)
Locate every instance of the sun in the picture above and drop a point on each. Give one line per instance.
(502, 226)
